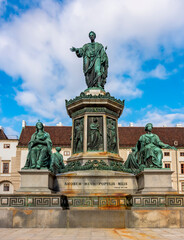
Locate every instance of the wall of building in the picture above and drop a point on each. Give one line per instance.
(16, 157)
(8, 151)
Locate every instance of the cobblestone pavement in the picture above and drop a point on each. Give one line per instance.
(89, 233)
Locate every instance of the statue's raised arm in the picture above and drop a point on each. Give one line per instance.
(95, 62)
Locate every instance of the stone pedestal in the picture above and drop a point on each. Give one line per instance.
(36, 181)
(96, 182)
(155, 181)
(95, 116)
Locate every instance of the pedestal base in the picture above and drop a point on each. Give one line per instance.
(36, 181)
(96, 182)
(155, 181)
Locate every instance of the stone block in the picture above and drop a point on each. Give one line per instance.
(36, 181)
(155, 180)
(96, 219)
(6, 217)
(96, 182)
(152, 218)
(40, 218)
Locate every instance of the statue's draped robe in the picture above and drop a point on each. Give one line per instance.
(95, 136)
(95, 63)
(149, 148)
(131, 162)
(45, 161)
(56, 163)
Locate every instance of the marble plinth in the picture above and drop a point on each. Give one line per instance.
(155, 180)
(38, 181)
(96, 182)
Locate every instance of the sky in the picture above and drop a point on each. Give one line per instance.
(145, 47)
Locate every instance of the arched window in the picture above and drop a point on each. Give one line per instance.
(6, 187)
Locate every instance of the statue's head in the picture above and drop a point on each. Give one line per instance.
(39, 125)
(148, 127)
(95, 120)
(92, 35)
(58, 149)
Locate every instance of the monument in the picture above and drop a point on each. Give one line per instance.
(96, 181)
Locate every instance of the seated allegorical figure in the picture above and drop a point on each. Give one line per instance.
(148, 149)
(40, 149)
(57, 161)
(131, 162)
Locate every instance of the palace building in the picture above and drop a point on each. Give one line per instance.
(13, 152)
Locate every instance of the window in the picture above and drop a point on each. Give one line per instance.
(6, 145)
(182, 186)
(182, 168)
(5, 167)
(6, 187)
(166, 154)
(182, 154)
(167, 165)
(66, 153)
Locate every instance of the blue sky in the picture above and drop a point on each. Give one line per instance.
(145, 42)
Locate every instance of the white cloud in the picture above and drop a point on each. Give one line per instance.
(3, 4)
(11, 133)
(34, 46)
(163, 117)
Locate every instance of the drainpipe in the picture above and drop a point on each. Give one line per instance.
(176, 144)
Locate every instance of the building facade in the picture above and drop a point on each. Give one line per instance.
(13, 153)
(8, 151)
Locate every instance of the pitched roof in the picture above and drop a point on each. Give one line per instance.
(2, 135)
(60, 135)
(128, 136)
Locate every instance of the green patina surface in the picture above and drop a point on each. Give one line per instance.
(84, 96)
(95, 62)
(147, 153)
(94, 110)
(95, 138)
(95, 164)
(111, 136)
(78, 137)
(40, 149)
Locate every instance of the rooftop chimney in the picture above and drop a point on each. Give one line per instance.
(23, 123)
(131, 124)
(59, 124)
(178, 125)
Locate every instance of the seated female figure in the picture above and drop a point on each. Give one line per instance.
(40, 149)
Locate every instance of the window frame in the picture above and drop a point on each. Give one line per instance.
(6, 145)
(166, 154)
(3, 168)
(4, 187)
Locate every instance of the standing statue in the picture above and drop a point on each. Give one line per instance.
(95, 62)
(40, 149)
(148, 149)
(78, 136)
(95, 136)
(111, 135)
(57, 161)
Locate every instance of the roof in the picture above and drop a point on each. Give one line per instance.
(128, 136)
(60, 135)
(2, 135)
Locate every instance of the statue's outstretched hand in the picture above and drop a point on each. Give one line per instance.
(73, 49)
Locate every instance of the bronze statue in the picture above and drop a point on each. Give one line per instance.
(95, 62)
(111, 135)
(78, 136)
(95, 135)
(57, 161)
(40, 149)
